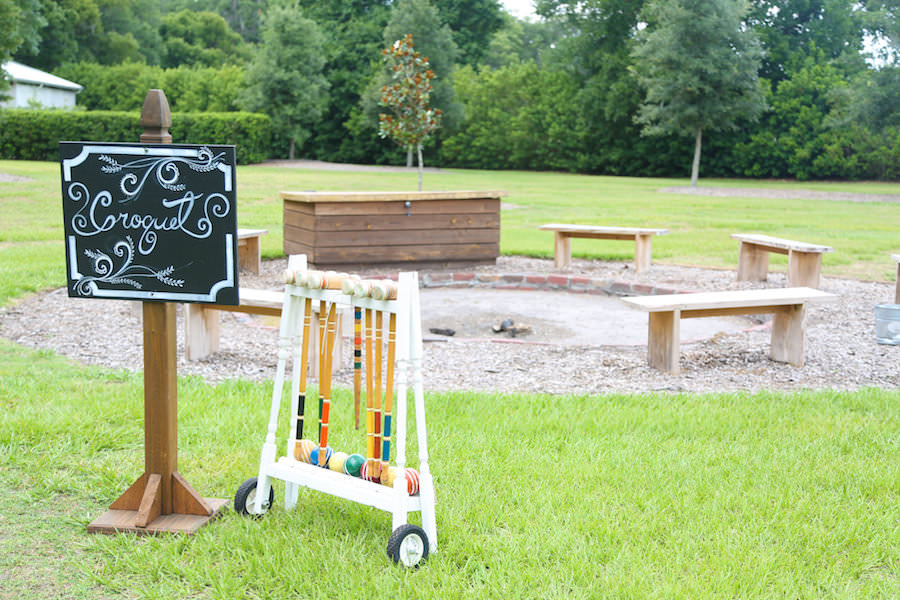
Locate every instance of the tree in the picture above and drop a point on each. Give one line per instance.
(472, 23)
(519, 41)
(791, 30)
(407, 96)
(699, 66)
(422, 20)
(20, 24)
(201, 39)
(285, 79)
(353, 41)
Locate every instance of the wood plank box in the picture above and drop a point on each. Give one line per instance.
(563, 234)
(896, 258)
(804, 260)
(249, 254)
(788, 326)
(201, 324)
(355, 228)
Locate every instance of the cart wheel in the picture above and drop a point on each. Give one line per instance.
(408, 546)
(245, 498)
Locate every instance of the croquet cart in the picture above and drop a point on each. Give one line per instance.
(367, 480)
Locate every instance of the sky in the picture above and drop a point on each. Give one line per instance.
(519, 8)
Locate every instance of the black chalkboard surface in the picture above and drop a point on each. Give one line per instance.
(150, 222)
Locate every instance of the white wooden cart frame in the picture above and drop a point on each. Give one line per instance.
(296, 474)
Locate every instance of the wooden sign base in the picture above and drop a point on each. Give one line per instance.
(161, 500)
(138, 510)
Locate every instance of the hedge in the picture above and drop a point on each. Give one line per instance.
(35, 134)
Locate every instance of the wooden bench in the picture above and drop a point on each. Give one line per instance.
(563, 234)
(202, 330)
(201, 321)
(804, 260)
(788, 326)
(249, 254)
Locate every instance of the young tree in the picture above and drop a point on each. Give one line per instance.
(407, 97)
(285, 78)
(434, 39)
(699, 64)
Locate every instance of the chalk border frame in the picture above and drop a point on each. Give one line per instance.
(229, 279)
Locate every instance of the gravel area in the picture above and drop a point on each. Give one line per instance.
(841, 351)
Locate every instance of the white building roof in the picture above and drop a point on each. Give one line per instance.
(19, 73)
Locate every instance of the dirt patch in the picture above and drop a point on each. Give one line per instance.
(7, 178)
(841, 350)
(773, 193)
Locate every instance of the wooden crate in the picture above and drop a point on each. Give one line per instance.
(352, 228)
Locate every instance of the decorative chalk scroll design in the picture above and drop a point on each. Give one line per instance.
(166, 171)
(126, 274)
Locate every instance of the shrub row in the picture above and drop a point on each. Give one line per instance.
(35, 134)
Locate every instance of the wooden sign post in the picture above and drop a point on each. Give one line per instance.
(161, 500)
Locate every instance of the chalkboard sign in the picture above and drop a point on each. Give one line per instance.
(150, 222)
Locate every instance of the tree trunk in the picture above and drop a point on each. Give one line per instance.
(291, 151)
(695, 169)
(419, 152)
(409, 157)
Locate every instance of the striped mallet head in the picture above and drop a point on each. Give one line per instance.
(384, 289)
(314, 280)
(348, 284)
(362, 288)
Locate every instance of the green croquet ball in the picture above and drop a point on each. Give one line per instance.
(353, 464)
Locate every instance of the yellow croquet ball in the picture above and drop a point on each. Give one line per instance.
(302, 450)
(388, 475)
(337, 461)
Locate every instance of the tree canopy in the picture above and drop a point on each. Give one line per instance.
(569, 90)
(285, 79)
(699, 67)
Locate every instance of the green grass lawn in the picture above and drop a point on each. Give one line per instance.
(771, 495)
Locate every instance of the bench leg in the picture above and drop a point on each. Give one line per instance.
(249, 254)
(663, 349)
(897, 293)
(788, 335)
(643, 245)
(201, 331)
(562, 250)
(753, 263)
(804, 269)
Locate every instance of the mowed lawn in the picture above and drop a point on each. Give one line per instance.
(770, 495)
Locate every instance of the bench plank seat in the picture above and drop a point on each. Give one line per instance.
(788, 326)
(202, 329)
(563, 234)
(804, 259)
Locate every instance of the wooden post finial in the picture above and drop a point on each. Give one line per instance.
(156, 118)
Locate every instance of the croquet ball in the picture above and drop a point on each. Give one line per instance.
(314, 455)
(337, 461)
(370, 475)
(302, 450)
(353, 464)
(412, 481)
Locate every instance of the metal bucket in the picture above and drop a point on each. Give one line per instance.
(887, 324)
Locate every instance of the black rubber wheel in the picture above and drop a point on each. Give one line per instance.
(246, 496)
(408, 546)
